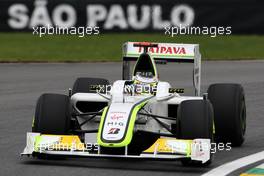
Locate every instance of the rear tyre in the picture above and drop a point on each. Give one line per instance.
(195, 120)
(85, 85)
(88, 85)
(230, 112)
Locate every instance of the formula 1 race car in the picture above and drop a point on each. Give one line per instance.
(140, 116)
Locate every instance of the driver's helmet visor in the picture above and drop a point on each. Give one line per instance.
(145, 77)
(145, 74)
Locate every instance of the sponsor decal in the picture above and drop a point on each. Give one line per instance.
(116, 119)
(164, 50)
(176, 90)
(113, 131)
(117, 115)
(115, 124)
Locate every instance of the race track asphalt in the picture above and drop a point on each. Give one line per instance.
(21, 85)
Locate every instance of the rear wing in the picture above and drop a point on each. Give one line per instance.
(165, 52)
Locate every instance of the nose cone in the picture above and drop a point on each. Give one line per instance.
(145, 65)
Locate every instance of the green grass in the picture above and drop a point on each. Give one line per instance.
(25, 47)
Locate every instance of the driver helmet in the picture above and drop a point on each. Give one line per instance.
(146, 80)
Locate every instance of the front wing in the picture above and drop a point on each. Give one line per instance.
(163, 148)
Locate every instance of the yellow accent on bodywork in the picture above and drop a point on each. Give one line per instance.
(161, 146)
(65, 142)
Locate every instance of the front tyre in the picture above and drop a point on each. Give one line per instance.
(230, 112)
(195, 120)
(52, 114)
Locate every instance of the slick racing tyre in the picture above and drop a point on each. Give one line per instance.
(52, 114)
(229, 111)
(86, 85)
(195, 120)
(51, 117)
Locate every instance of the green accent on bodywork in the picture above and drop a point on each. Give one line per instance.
(213, 127)
(189, 148)
(154, 65)
(131, 124)
(33, 121)
(130, 129)
(99, 141)
(37, 142)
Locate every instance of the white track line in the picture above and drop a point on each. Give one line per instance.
(236, 164)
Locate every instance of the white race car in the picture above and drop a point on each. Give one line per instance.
(140, 116)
